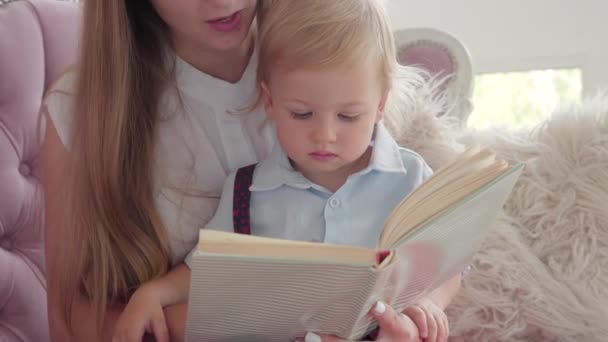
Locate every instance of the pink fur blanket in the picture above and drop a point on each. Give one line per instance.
(542, 273)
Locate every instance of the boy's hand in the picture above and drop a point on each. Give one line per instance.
(143, 314)
(393, 326)
(430, 319)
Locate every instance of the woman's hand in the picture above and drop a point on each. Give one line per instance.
(143, 314)
(393, 326)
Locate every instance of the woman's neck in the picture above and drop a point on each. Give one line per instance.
(227, 65)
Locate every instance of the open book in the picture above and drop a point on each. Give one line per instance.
(250, 288)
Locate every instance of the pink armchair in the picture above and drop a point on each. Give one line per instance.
(38, 40)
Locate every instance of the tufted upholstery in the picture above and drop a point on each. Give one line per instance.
(38, 40)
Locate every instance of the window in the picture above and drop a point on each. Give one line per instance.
(522, 99)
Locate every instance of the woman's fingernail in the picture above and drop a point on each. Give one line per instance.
(379, 308)
(312, 337)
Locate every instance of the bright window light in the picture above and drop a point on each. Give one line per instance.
(522, 99)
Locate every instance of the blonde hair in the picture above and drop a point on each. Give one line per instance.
(325, 33)
(114, 237)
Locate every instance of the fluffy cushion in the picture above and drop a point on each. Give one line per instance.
(542, 273)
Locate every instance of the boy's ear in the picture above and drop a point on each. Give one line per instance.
(381, 106)
(267, 99)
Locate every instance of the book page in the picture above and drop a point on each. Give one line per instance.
(406, 220)
(464, 175)
(221, 242)
(440, 249)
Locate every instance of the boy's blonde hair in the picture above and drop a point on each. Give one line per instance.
(325, 33)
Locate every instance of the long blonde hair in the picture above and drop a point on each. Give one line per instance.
(115, 239)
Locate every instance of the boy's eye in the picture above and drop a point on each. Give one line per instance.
(301, 116)
(348, 117)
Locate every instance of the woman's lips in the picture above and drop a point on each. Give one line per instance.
(226, 24)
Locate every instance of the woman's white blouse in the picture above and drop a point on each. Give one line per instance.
(203, 134)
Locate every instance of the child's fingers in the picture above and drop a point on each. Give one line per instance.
(416, 314)
(159, 328)
(443, 329)
(432, 326)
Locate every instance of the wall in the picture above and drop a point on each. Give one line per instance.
(520, 34)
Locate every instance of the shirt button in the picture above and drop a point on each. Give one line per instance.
(334, 202)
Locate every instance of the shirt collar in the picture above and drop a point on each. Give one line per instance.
(276, 170)
(386, 153)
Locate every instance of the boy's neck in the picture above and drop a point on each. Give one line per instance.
(334, 180)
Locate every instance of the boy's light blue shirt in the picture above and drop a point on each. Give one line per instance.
(284, 204)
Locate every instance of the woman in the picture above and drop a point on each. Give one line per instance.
(140, 138)
(139, 142)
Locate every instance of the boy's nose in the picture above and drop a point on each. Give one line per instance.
(324, 132)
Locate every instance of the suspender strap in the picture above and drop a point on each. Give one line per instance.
(241, 199)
